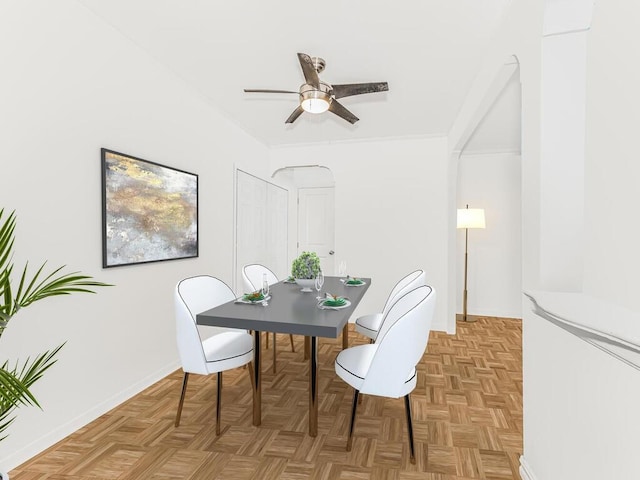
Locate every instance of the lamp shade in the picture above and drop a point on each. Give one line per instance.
(471, 218)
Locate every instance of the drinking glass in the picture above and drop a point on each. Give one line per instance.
(342, 268)
(319, 283)
(265, 285)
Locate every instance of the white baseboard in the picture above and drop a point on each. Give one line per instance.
(40, 444)
(525, 470)
(439, 327)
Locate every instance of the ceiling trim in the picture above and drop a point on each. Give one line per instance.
(360, 140)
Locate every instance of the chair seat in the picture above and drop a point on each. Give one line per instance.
(353, 364)
(228, 350)
(368, 325)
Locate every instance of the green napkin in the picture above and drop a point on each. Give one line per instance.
(335, 302)
(253, 297)
(354, 281)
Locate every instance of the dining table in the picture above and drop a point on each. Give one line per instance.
(289, 310)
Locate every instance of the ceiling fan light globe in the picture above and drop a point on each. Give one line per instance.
(315, 105)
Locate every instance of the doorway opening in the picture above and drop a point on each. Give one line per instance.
(489, 166)
(312, 212)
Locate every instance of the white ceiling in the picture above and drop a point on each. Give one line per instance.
(428, 51)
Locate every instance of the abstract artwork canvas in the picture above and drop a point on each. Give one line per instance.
(149, 211)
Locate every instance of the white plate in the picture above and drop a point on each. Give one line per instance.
(355, 284)
(249, 302)
(329, 307)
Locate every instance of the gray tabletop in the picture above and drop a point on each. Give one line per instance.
(289, 311)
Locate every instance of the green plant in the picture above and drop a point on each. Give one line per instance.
(16, 380)
(307, 265)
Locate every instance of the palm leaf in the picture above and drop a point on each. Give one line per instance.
(6, 248)
(64, 284)
(6, 238)
(15, 382)
(30, 373)
(13, 390)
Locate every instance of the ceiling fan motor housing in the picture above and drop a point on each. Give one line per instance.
(318, 64)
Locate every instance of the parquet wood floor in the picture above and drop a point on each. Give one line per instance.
(467, 419)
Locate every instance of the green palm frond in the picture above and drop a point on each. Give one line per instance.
(6, 238)
(50, 286)
(13, 390)
(40, 285)
(16, 381)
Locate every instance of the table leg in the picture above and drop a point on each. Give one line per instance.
(313, 388)
(256, 380)
(345, 336)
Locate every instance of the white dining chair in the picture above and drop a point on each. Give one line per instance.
(387, 368)
(220, 352)
(252, 276)
(368, 325)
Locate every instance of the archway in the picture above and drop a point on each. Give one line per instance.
(486, 173)
(311, 212)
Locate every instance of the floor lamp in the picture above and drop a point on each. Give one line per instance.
(468, 218)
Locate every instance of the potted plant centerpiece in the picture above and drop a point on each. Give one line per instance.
(305, 269)
(16, 379)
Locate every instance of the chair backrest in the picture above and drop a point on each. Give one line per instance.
(402, 343)
(406, 283)
(252, 277)
(192, 296)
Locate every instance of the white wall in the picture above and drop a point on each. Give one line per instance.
(494, 279)
(562, 161)
(580, 418)
(612, 169)
(390, 215)
(71, 84)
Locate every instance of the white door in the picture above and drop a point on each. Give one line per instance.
(316, 229)
(261, 226)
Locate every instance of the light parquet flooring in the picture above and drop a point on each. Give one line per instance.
(467, 412)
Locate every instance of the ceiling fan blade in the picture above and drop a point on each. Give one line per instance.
(295, 114)
(263, 90)
(349, 89)
(337, 108)
(308, 70)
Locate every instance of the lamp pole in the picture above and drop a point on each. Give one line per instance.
(464, 294)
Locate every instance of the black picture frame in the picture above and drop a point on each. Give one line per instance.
(149, 211)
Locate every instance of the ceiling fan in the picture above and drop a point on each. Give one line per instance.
(317, 96)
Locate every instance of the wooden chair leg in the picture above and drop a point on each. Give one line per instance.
(407, 408)
(293, 348)
(181, 402)
(218, 403)
(353, 419)
(267, 340)
(274, 353)
(250, 368)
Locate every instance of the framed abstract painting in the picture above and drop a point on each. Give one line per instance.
(149, 211)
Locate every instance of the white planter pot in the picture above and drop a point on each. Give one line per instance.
(307, 284)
